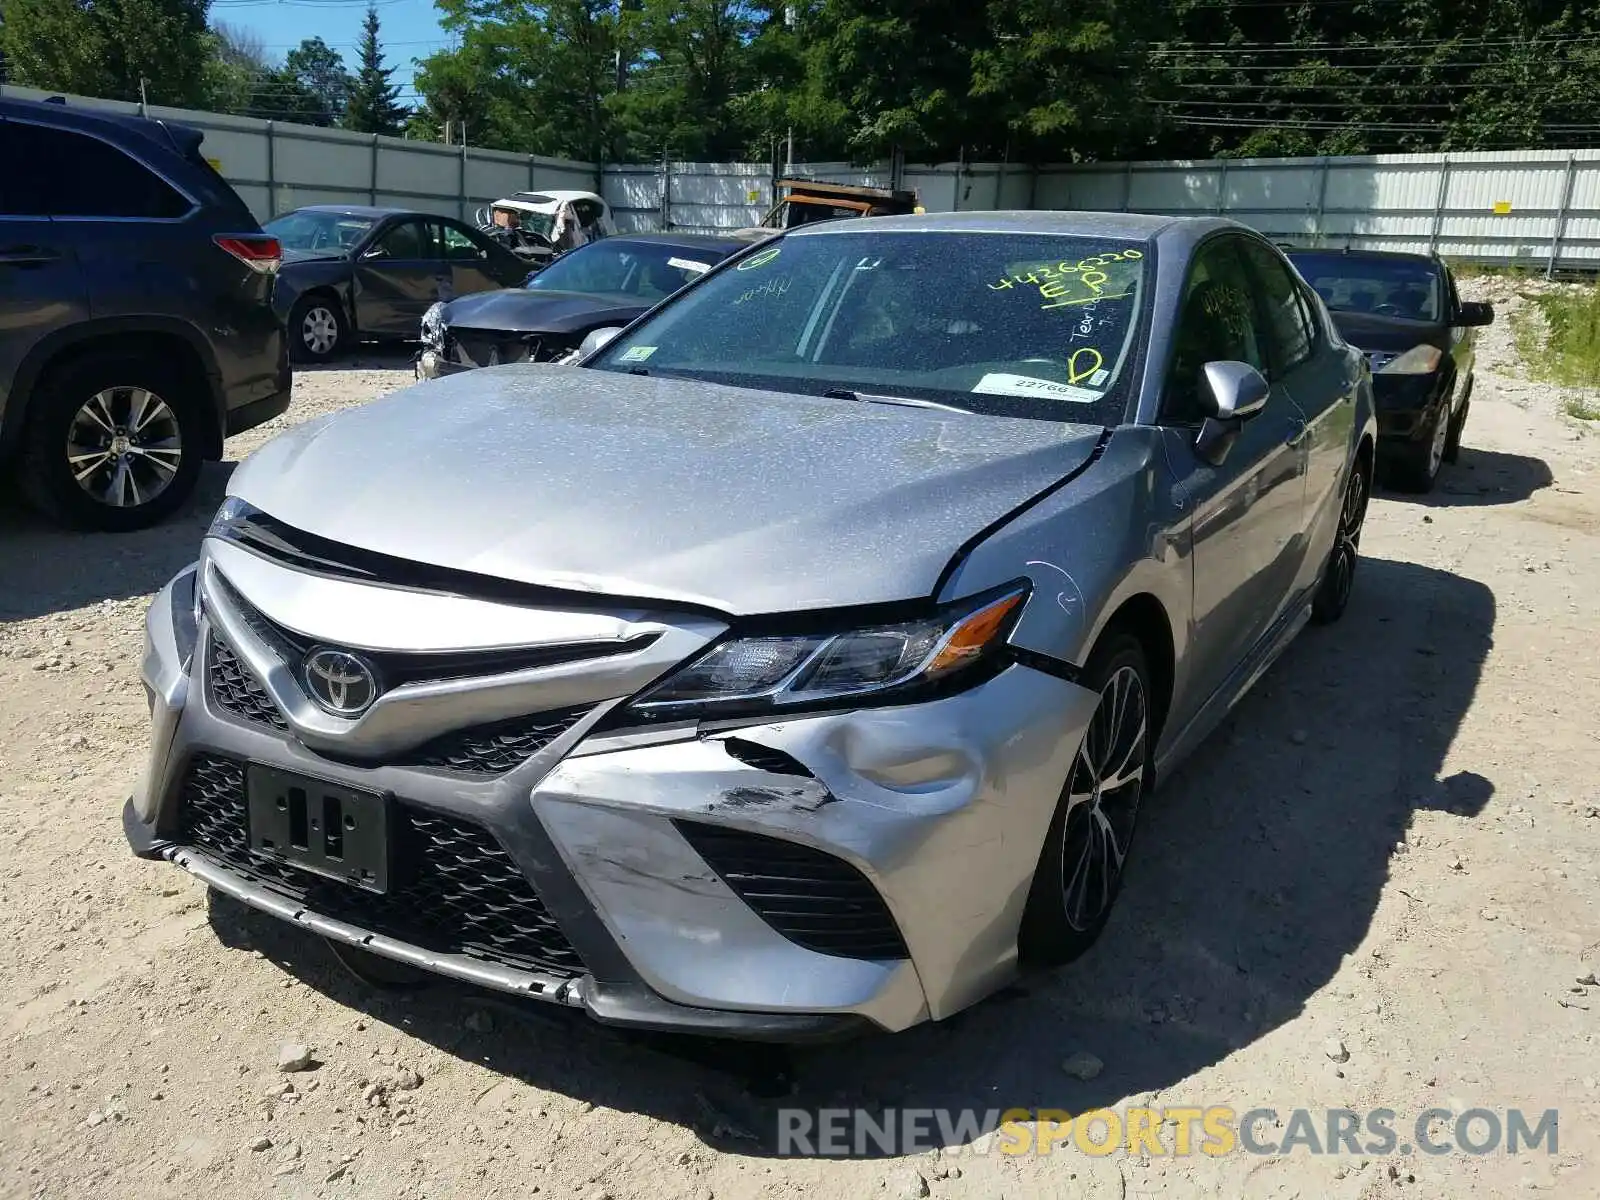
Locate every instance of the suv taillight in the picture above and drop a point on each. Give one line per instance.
(255, 250)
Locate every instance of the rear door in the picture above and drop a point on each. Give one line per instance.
(41, 284)
(1247, 512)
(398, 274)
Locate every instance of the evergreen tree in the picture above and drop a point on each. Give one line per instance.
(371, 107)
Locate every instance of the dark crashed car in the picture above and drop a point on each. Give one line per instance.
(605, 285)
(351, 273)
(1419, 337)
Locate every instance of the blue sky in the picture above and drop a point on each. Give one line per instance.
(410, 29)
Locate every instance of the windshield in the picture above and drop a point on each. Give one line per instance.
(334, 233)
(616, 266)
(1021, 325)
(529, 222)
(1384, 287)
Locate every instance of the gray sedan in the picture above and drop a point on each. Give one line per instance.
(795, 665)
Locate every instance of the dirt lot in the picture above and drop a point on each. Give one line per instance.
(1392, 845)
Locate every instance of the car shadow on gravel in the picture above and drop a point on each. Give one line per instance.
(1482, 477)
(1258, 870)
(47, 569)
(374, 357)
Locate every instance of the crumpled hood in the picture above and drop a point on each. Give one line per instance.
(528, 310)
(733, 499)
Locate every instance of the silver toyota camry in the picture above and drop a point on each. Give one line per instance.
(796, 664)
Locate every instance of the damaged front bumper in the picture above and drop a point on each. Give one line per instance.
(788, 880)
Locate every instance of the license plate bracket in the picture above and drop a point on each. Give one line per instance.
(326, 828)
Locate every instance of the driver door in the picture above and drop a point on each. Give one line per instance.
(398, 274)
(1247, 511)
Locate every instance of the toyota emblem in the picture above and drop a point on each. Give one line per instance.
(340, 682)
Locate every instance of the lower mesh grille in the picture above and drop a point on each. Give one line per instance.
(236, 690)
(812, 898)
(453, 888)
(492, 749)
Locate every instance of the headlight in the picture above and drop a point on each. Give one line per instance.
(232, 512)
(433, 327)
(1419, 360)
(878, 664)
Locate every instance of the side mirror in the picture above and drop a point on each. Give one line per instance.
(1235, 391)
(1475, 312)
(594, 340)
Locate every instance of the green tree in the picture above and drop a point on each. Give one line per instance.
(540, 78)
(105, 47)
(319, 69)
(241, 79)
(372, 106)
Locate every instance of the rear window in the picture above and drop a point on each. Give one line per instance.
(1383, 287)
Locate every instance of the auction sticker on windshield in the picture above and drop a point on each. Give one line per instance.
(636, 353)
(689, 264)
(1004, 384)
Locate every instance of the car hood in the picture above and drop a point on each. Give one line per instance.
(1390, 334)
(528, 310)
(672, 490)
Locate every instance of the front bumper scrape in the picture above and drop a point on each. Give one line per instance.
(943, 806)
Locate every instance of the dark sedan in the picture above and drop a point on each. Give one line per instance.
(1419, 337)
(604, 285)
(352, 272)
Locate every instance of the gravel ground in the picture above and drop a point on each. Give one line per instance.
(1376, 887)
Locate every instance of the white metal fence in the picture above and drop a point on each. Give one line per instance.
(1533, 208)
(276, 166)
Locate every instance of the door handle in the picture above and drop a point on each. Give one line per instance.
(27, 256)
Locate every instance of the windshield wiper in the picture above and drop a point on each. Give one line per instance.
(903, 401)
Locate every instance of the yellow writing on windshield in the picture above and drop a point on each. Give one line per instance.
(1083, 364)
(1109, 276)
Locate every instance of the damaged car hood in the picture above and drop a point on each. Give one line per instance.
(529, 310)
(733, 499)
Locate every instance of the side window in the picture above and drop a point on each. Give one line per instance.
(85, 178)
(1289, 330)
(1217, 319)
(1452, 299)
(457, 245)
(407, 240)
(588, 212)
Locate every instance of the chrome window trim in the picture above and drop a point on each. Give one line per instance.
(194, 205)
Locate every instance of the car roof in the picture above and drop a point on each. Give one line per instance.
(1141, 226)
(169, 135)
(365, 210)
(685, 241)
(1383, 255)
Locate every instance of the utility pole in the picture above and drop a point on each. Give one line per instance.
(788, 154)
(144, 106)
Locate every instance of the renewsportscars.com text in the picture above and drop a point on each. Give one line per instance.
(1175, 1130)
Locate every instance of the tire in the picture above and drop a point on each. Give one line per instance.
(1061, 921)
(132, 429)
(1419, 470)
(317, 329)
(1452, 445)
(1338, 576)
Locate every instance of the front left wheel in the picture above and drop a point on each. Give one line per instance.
(1080, 869)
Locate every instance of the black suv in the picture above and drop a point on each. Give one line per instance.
(136, 321)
